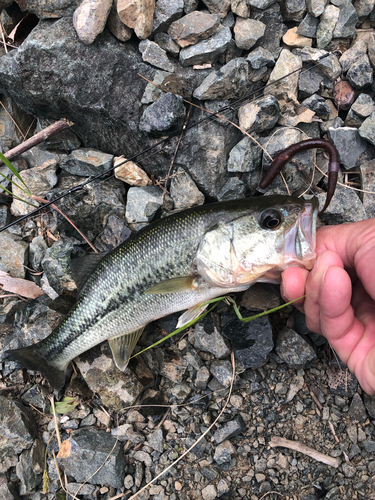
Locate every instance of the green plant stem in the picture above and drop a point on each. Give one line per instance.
(215, 301)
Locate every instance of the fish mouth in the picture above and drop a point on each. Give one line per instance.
(300, 240)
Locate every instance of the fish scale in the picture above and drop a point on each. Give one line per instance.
(118, 300)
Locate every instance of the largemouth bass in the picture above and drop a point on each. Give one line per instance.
(174, 264)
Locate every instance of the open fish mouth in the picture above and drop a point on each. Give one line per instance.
(300, 239)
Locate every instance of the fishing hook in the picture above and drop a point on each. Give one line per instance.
(288, 153)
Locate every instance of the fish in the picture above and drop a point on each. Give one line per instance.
(177, 264)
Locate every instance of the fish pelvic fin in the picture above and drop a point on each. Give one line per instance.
(191, 314)
(31, 359)
(122, 347)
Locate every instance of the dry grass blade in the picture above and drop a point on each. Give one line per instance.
(192, 446)
(51, 398)
(310, 452)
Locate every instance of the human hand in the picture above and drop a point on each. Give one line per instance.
(340, 295)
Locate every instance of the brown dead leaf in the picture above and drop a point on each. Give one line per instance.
(64, 451)
(20, 286)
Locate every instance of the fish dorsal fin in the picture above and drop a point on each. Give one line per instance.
(191, 314)
(83, 267)
(175, 285)
(122, 347)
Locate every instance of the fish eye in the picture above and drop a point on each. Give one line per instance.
(270, 219)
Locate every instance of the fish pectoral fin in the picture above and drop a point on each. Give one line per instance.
(191, 314)
(122, 347)
(174, 285)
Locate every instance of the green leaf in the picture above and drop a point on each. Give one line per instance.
(13, 169)
(66, 405)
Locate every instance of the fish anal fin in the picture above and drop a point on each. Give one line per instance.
(123, 346)
(191, 314)
(175, 285)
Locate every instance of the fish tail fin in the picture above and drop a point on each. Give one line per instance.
(30, 358)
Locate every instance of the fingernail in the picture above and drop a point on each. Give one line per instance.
(324, 274)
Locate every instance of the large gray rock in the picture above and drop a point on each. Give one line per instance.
(350, 56)
(90, 453)
(165, 116)
(54, 75)
(248, 32)
(165, 13)
(360, 73)
(367, 129)
(308, 26)
(13, 256)
(30, 467)
(230, 82)
(346, 23)
(206, 51)
(117, 389)
(326, 26)
(259, 115)
(90, 18)
(349, 144)
(155, 55)
(245, 156)
(87, 162)
(251, 341)
(45, 9)
(17, 428)
(273, 20)
(194, 28)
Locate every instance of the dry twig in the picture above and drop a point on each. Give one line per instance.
(306, 450)
(41, 136)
